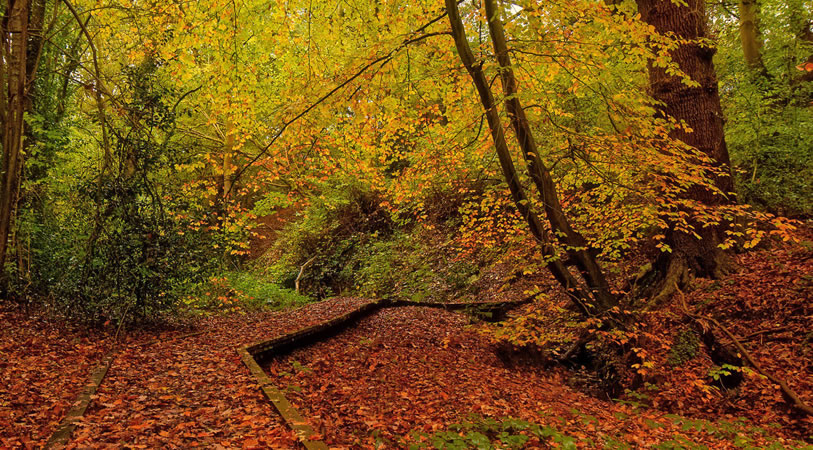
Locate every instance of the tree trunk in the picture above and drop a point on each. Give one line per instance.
(228, 152)
(750, 35)
(700, 108)
(577, 246)
(581, 298)
(14, 52)
(36, 30)
(72, 56)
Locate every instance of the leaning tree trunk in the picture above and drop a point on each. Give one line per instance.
(700, 108)
(589, 303)
(578, 248)
(14, 52)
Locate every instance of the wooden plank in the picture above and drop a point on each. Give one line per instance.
(265, 350)
(288, 413)
(275, 347)
(63, 433)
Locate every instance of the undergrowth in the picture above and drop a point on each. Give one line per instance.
(243, 291)
(346, 243)
(479, 432)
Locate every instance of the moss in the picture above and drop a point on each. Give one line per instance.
(685, 347)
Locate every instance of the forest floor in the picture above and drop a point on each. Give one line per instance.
(404, 376)
(167, 394)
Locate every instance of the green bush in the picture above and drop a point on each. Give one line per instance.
(356, 248)
(769, 121)
(337, 225)
(243, 290)
(124, 243)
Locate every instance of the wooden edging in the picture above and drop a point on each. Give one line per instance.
(289, 414)
(252, 355)
(266, 350)
(263, 351)
(63, 433)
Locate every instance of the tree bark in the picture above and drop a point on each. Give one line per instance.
(36, 31)
(700, 108)
(14, 54)
(581, 298)
(750, 35)
(228, 152)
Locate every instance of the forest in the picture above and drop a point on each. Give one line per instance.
(451, 224)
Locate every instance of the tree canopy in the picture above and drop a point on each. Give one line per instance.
(167, 159)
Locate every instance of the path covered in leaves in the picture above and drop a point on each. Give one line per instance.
(400, 376)
(42, 367)
(167, 394)
(403, 374)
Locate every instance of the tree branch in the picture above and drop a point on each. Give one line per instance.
(382, 59)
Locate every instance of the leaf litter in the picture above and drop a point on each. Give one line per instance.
(405, 373)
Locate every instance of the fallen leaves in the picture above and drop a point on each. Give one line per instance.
(391, 376)
(400, 371)
(174, 393)
(766, 303)
(45, 363)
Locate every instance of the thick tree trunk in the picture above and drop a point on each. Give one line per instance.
(14, 54)
(33, 56)
(558, 269)
(700, 108)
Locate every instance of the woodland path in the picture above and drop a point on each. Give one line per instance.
(397, 371)
(169, 394)
(402, 374)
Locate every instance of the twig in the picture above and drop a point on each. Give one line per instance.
(301, 271)
(761, 332)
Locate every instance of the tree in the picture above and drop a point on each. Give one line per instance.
(21, 41)
(598, 289)
(15, 33)
(751, 35)
(698, 105)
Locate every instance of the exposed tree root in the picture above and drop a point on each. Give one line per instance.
(657, 282)
(790, 396)
(676, 276)
(575, 348)
(672, 271)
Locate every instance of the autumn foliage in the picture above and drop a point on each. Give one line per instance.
(180, 179)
